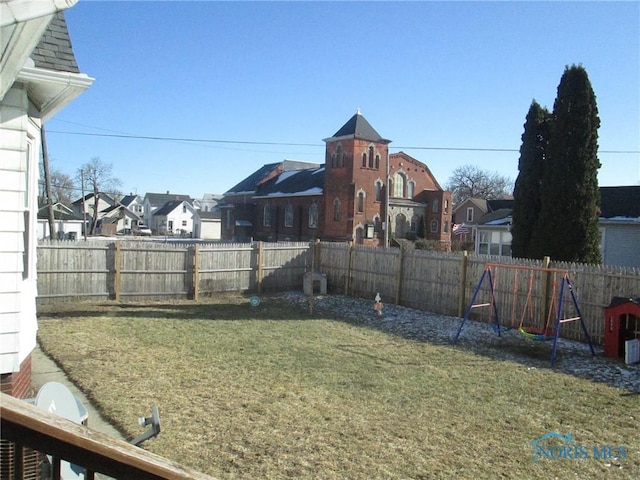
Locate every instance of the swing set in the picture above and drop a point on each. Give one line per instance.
(536, 316)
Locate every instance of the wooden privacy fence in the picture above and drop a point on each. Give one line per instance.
(437, 282)
(145, 270)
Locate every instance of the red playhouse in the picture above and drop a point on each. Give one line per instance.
(622, 323)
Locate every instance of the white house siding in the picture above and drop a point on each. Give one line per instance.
(621, 243)
(174, 220)
(19, 151)
(67, 227)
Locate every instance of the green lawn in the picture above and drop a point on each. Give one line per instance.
(270, 392)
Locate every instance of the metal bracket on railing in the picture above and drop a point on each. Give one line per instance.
(152, 431)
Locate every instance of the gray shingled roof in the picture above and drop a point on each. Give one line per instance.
(168, 207)
(309, 181)
(54, 51)
(159, 199)
(620, 202)
(358, 127)
(249, 184)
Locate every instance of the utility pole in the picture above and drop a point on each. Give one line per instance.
(386, 203)
(84, 207)
(47, 183)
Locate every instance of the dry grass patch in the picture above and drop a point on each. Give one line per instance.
(269, 392)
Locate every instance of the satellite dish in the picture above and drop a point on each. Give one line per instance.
(56, 398)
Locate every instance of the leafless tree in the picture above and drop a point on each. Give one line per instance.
(98, 178)
(469, 181)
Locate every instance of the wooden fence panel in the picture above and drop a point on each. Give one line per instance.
(431, 281)
(284, 265)
(71, 270)
(374, 270)
(227, 267)
(333, 259)
(155, 270)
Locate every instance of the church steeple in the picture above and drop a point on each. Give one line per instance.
(357, 127)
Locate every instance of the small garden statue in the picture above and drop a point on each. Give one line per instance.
(378, 305)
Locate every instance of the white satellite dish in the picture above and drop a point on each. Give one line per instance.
(56, 398)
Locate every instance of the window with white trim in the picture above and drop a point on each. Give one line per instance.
(469, 214)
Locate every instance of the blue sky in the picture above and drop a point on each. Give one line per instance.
(439, 79)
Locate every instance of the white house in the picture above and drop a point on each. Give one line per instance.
(39, 77)
(209, 201)
(135, 204)
(87, 205)
(174, 218)
(153, 201)
(493, 233)
(117, 219)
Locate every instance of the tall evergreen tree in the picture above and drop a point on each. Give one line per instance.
(526, 193)
(567, 227)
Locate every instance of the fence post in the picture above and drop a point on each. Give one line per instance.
(259, 268)
(347, 278)
(399, 273)
(117, 271)
(546, 262)
(196, 271)
(462, 298)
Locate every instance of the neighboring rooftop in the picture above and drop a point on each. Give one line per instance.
(620, 202)
(159, 199)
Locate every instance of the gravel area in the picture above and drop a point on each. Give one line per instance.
(572, 357)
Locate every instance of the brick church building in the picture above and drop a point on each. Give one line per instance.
(345, 199)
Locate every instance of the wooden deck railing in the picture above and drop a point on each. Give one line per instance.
(28, 426)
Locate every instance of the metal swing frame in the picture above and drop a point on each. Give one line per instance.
(565, 284)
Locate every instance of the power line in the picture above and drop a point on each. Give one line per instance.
(291, 144)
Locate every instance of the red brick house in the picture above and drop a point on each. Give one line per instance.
(343, 200)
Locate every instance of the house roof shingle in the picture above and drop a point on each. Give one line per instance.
(309, 181)
(249, 184)
(169, 207)
(54, 51)
(159, 199)
(620, 202)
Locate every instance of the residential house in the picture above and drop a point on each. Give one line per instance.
(207, 225)
(87, 206)
(468, 213)
(67, 224)
(117, 220)
(174, 218)
(620, 225)
(208, 202)
(359, 190)
(153, 201)
(135, 204)
(39, 77)
(493, 233)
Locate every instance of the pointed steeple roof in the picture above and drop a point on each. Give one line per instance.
(358, 127)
